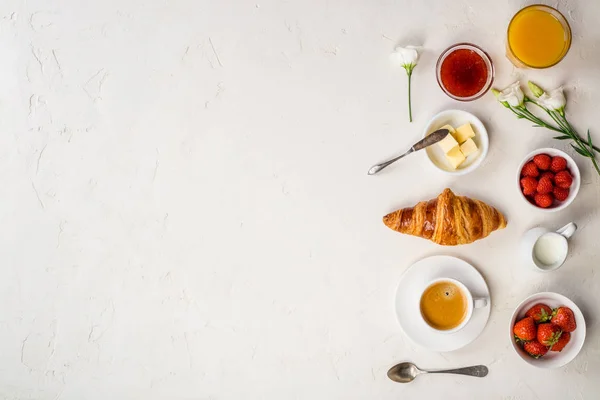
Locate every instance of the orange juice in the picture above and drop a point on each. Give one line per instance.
(538, 36)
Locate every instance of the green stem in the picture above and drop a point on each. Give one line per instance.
(525, 113)
(568, 130)
(409, 72)
(557, 120)
(541, 122)
(562, 121)
(595, 148)
(595, 164)
(562, 116)
(586, 149)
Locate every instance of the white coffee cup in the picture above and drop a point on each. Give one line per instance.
(546, 250)
(472, 303)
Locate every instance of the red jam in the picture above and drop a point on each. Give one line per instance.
(463, 73)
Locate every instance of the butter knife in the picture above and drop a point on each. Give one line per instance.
(433, 138)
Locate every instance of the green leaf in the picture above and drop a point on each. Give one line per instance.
(580, 151)
(563, 137)
(544, 316)
(590, 142)
(518, 340)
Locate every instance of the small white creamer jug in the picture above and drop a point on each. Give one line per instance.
(546, 250)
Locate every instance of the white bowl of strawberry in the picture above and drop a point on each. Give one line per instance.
(548, 179)
(547, 330)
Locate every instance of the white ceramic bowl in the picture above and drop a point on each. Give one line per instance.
(456, 118)
(573, 169)
(552, 359)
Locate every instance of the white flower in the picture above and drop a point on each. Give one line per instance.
(513, 95)
(553, 100)
(406, 57)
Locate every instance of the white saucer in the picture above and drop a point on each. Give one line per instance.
(408, 296)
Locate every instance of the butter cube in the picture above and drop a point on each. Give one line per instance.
(468, 147)
(448, 143)
(455, 157)
(463, 133)
(450, 128)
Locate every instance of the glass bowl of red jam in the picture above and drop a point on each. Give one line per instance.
(465, 72)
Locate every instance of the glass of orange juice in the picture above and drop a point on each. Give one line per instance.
(538, 37)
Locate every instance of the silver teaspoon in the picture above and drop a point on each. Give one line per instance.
(426, 142)
(405, 372)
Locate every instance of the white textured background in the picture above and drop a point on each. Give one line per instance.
(186, 214)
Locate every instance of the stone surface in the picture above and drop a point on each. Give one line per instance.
(187, 214)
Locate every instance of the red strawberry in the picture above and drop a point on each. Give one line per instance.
(545, 186)
(540, 313)
(548, 333)
(542, 161)
(535, 349)
(525, 329)
(530, 169)
(558, 164)
(543, 200)
(548, 174)
(563, 179)
(529, 185)
(560, 194)
(562, 342)
(564, 318)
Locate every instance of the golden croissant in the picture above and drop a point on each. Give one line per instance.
(448, 220)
